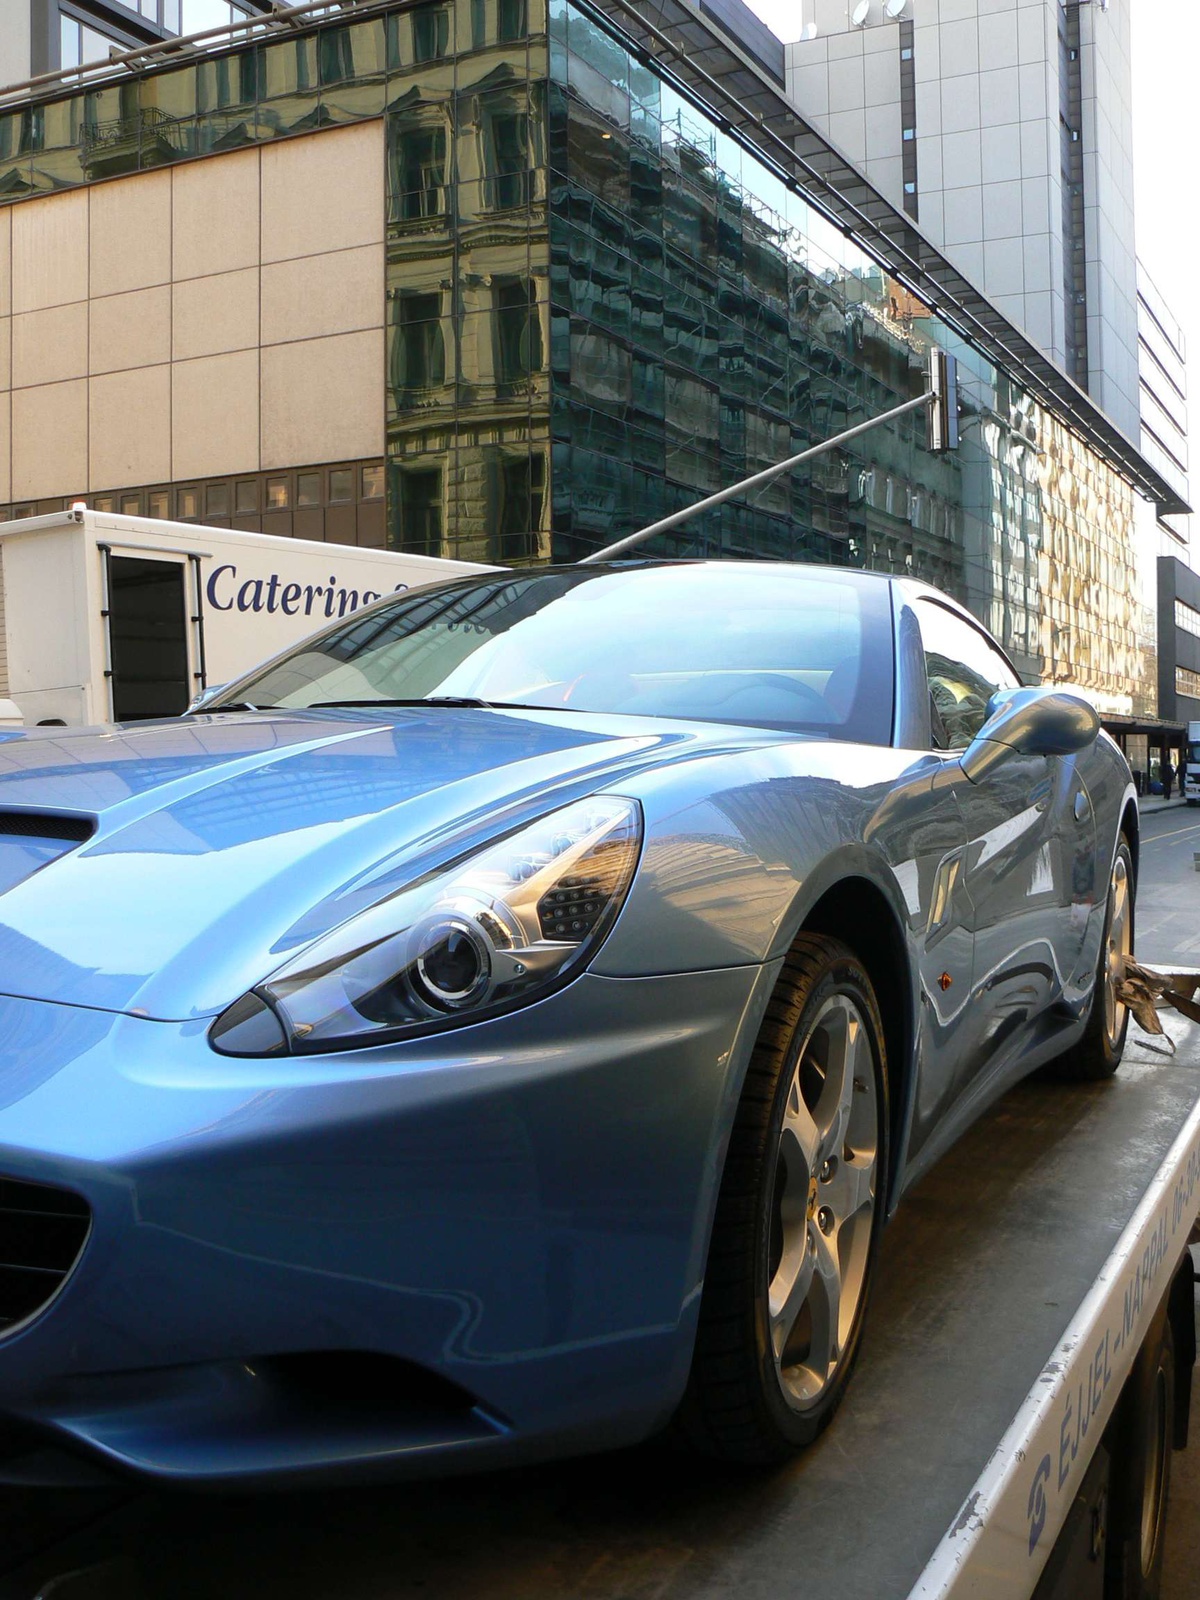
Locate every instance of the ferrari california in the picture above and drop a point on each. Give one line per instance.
(502, 1025)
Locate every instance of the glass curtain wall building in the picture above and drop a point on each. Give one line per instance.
(601, 307)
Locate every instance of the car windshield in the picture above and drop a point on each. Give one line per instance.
(782, 647)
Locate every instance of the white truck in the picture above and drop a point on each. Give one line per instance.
(107, 617)
(1189, 778)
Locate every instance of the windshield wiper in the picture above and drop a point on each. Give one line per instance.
(459, 701)
(239, 705)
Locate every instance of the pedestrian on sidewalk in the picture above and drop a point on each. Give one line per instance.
(1168, 777)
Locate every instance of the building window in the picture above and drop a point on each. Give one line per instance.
(187, 504)
(1187, 682)
(520, 489)
(341, 484)
(308, 488)
(506, 158)
(158, 503)
(420, 497)
(1187, 618)
(908, 118)
(420, 172)
(372, 483)
(78, 44)
(216, 500)
(278, 496)
(518, 331)
(419, 353)
(245, 497)
(510, 20)
(198, 15)
(431, 32)
(131, 505)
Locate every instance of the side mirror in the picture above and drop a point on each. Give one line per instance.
(1030, 722)
(205, 697)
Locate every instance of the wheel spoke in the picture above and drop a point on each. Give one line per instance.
(1116, 949)
(825, 1305)
(789, 1290)
(845, 1038)
(800, 1137)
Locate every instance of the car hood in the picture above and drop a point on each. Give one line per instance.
(215, 846)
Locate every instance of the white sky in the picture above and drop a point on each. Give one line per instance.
(1166, 123)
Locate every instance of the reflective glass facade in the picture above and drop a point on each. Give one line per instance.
(601, 307)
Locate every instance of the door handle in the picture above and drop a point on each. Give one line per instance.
(1082, 805)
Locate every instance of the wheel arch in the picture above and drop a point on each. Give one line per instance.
(858, 912)
(1131, 827)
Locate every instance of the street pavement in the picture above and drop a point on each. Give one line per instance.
(86, 1544)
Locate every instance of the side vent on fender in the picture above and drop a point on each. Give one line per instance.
(42, 1234)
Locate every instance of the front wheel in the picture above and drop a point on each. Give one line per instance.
(798, 1217)
(1098, 1054)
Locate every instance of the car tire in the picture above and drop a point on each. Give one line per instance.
(802, 1201)
(1098, 1053)
(1142, 1437)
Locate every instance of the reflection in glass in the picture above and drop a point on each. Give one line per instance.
(699, 318)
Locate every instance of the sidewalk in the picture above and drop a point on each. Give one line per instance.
(1155, 802)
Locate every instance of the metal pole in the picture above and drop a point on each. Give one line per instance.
(747, 484)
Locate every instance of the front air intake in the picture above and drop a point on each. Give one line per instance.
(42, 1234)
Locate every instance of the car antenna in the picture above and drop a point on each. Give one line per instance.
(942, 434)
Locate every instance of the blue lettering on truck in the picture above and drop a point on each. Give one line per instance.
(274, 594)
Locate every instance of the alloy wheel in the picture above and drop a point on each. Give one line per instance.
(823, 1202)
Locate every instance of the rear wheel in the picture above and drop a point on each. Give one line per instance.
(1098, 1054)
(798, 1217)
(1140, 1479)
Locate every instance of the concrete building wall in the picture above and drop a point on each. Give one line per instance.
(989, 162)
(847, 81)
(15, 41)
(224, 316)
(1108, 211)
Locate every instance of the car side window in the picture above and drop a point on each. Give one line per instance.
(964, 670)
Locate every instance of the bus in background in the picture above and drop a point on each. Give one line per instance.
(1189, 778)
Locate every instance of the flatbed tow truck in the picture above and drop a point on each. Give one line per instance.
(1026, 1369)
(1025, 1373)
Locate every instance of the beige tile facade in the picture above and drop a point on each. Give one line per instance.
(218, 318)
(322, 394)
(214, 415)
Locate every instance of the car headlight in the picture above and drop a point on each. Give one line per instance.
(490, 932)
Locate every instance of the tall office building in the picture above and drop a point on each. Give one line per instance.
(1162, 379)
(1005, 131)
(38, 36)
(507, 279)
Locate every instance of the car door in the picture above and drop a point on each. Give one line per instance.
(918, 825)
(1021, 861)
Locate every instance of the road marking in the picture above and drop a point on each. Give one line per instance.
(1176, 833)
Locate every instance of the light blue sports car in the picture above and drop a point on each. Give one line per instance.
(502, 1024)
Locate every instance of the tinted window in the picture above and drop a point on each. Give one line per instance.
(784, 647)
(147, 633)
(965, 669)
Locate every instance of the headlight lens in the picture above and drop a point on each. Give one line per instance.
(484, 935)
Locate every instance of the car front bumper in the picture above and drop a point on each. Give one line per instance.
(487, 1244)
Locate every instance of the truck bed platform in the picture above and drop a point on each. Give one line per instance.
(988, 1261)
